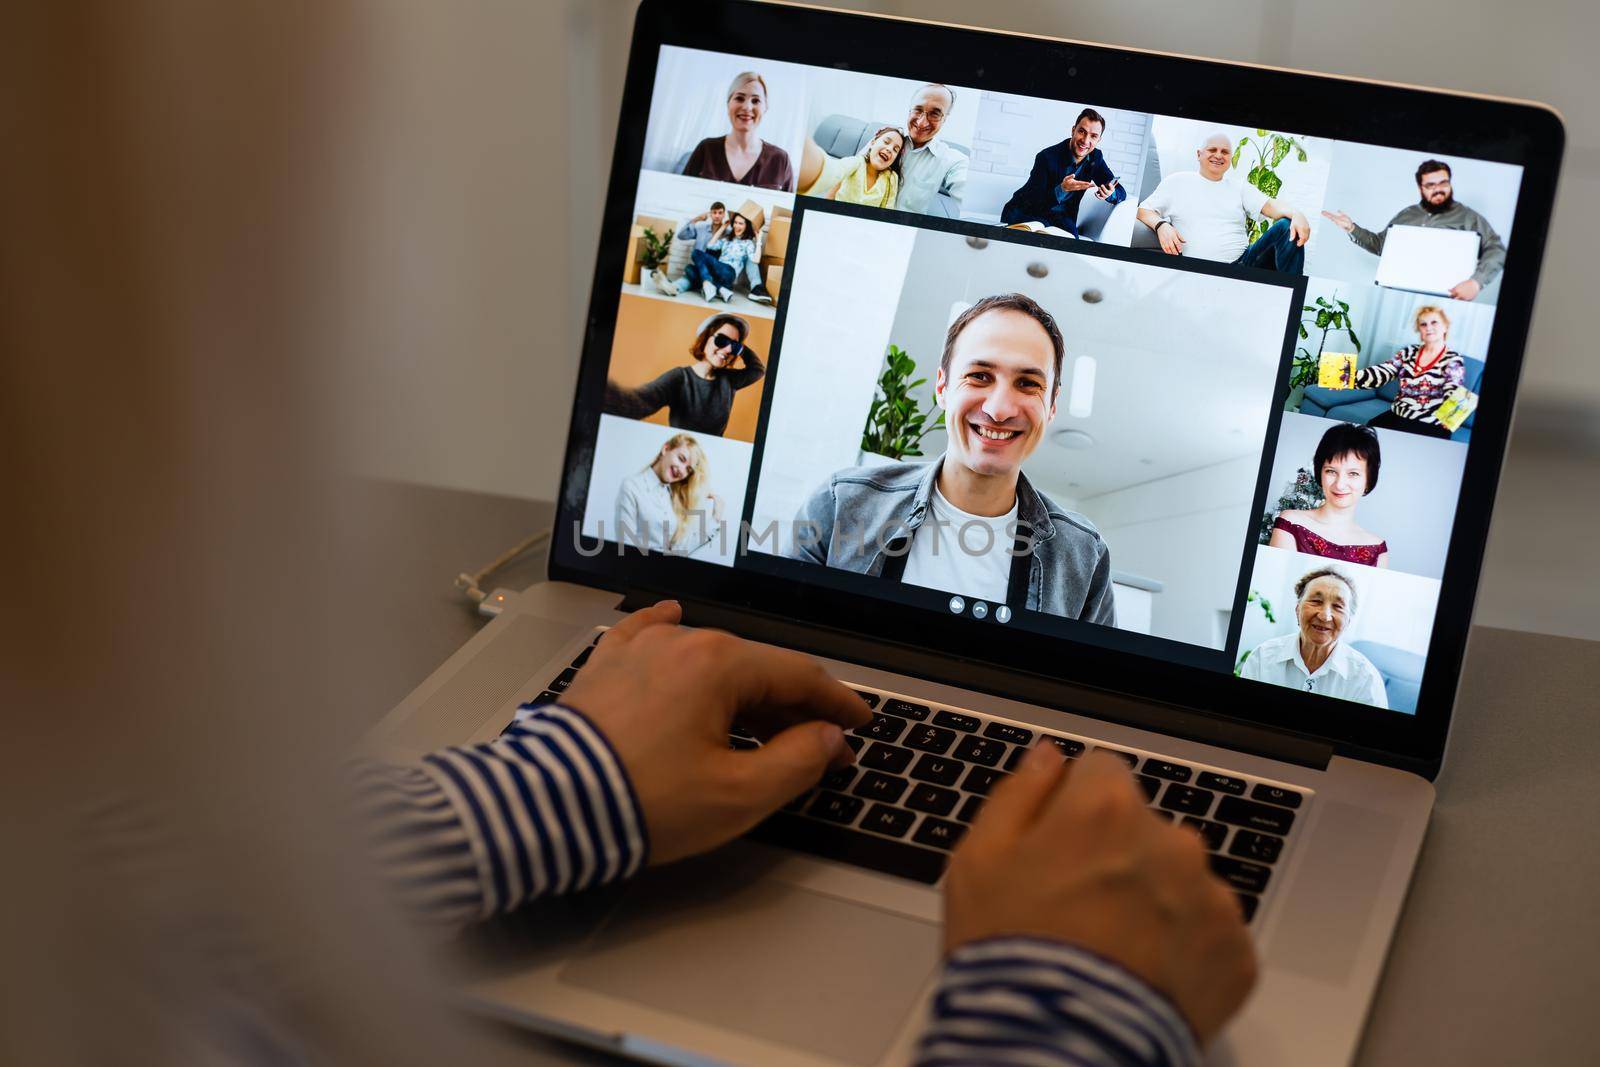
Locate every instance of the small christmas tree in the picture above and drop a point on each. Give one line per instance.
(1303, 494)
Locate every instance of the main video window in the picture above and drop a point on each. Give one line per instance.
(1113, 413)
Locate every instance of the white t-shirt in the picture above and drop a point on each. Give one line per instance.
(955, 552)
(1346, 674)
(1209, 215)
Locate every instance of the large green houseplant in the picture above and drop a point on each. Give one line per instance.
(1268, 150)
(1327, 317)
(895, 424)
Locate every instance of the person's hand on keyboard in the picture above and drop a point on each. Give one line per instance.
(1074, 855)
(665, 697)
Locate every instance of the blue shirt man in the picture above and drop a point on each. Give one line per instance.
(1062, 173)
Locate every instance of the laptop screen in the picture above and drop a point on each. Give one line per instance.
(1052, 367)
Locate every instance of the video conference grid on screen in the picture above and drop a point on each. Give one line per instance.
(1030, 430)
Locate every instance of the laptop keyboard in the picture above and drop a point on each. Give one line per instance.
(922, 773)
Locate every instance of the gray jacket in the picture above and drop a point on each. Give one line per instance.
(1069, 567)
(1458, 216)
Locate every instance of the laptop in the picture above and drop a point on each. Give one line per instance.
(1286, 694)
(1427, 260)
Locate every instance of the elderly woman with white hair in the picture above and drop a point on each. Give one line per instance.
(1314, 659)
(740, 156)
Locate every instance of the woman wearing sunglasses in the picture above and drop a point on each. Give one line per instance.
(698, 397)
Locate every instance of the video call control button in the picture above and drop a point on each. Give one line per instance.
(1002, 614)
(957, 605)
(956, 721)
(1269, 793)
(906, 710)
(1172, 772)
(1253, 816)
(1004, 731)
(980, 610)
(980, 750)
(1069, 748)
(1222, 783)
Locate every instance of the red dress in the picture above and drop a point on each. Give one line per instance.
(1313, 544)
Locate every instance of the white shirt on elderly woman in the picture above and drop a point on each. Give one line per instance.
(1346, 674)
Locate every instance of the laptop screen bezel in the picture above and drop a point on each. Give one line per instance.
(1525, 134)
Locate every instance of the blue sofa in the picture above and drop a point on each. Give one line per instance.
(1362, 405)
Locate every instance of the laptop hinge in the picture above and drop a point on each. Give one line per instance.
(1188, 723)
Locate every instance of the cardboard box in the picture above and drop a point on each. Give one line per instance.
(774, 279)
(631, 265)
(777, 248)
(782, 213)
(753, 211)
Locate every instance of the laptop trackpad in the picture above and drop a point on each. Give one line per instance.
(765, 958)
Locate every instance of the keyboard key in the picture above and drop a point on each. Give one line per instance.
(742, 744)
(875, 785)
(1187, 799)
(967, 724)
(906, 709)
(1253, 816)
(1263, 848)
(980, 750)
(871, 699)
(889, 758)
(871, 851)
(838, 779)
(1151, 786)
(1248, 905)
(886, 820)
(1126, 757)
(941, 770)
(1245, 877)
(982, 779)
(1222, 783)
(836, 807)
(970, 809)
(1212, 833)
(1172, 772)
(933, 739)
(1069, 748)
(1286, 798)
(883, 728)
(562, 680)
(1004, 731)
(932, 799)
(546, 697)
(854, 742)
(938, 833)
(583, 657)
(1018, 754)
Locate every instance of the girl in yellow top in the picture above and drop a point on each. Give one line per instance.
(873, 177)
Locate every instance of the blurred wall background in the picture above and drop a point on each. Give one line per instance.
(477, 137)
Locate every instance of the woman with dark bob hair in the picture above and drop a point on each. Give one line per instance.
(1345, 465)
(699, 395)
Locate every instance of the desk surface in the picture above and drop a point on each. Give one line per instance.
(1498, 952)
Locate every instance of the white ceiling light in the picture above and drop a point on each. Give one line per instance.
(1080, 394)
(1076, 440)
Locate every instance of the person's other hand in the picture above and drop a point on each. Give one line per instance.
(1467, 290)
(1075, 185)
(1083, 861)
(664, 696)
(1299, 228)
(716, 507)
(1172, 241)
(1106, 191)
(1340, 219)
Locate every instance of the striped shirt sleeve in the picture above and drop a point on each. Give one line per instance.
(544, 809)
(1017, 1001)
